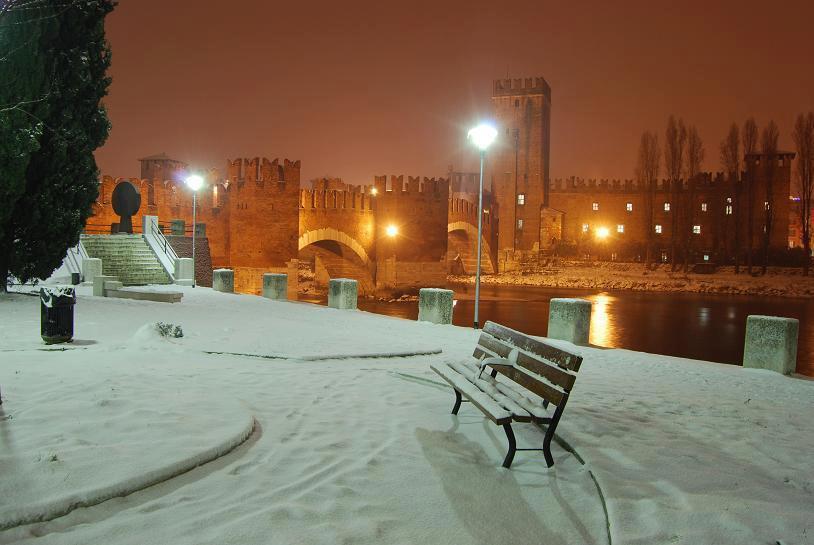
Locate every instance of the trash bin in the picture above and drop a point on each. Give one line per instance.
(56, 312)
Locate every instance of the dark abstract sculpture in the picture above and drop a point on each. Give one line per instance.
(126, 201)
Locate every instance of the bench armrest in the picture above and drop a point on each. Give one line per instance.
(492, 362)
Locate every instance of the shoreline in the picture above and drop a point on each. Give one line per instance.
(778, 282)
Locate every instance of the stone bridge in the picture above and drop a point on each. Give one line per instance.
(462, 229)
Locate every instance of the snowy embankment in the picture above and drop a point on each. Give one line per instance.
(779, 282)
(364, 450)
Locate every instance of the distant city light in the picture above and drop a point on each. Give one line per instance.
(392, 230)
(602, 233)
(194, 182)
(374, 191)
(482, 136)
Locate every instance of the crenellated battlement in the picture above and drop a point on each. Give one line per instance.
(353, 198)
(520, 86)
(261, 170)
(465, 210)
(414, 185)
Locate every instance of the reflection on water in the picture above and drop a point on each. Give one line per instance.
(601, 322)
(698, 326)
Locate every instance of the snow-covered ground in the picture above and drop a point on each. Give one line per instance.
(779, 281)
(363, 449)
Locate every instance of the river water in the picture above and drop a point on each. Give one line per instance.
(690, 325)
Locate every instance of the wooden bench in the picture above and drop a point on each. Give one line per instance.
(534, 375)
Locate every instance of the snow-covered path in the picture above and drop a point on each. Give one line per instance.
(365, 450)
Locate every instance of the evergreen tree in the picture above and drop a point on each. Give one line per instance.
(65, 119)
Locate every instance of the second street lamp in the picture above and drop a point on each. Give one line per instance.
(482, 136)
(194, 182)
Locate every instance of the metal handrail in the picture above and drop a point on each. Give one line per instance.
(166, 246)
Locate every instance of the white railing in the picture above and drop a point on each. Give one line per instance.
(159, 244)
(74, 257)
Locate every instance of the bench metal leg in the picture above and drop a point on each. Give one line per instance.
(507, 462)
(549, 434)
(457, 402)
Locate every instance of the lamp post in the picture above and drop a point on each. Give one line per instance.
(482, 136)
(194, 182)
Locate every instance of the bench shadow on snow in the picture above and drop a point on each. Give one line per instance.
(487, 498)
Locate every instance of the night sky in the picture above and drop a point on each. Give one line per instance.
(355, 89)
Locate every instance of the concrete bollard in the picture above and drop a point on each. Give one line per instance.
(771, 343)
(91, 268)
(223, 280)
(569, 320)
(99, 282)
(435, 305)
(183, 271)
(342, 293)
(275, 286)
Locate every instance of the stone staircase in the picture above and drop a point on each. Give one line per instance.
(127, 257)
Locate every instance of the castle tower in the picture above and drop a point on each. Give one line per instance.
(518, 163)
(160, 167)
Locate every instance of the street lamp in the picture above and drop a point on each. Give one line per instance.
(392, 231)
(482, 136)
(194, 182)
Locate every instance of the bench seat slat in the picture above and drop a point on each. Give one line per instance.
(485, 384)
(486, 404)
(532, 406)
(534, 363)
(561, 358)
(531, 395)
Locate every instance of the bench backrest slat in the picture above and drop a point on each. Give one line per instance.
(533, 363)
(553, 354)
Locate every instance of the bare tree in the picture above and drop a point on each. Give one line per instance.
(731, 162)
(768, 144)
(647, 173)
(675, 143)
(749, 137)
(804, 139)
(695, 156)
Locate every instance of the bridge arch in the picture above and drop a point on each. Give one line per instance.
(329, 233)
(472, 233)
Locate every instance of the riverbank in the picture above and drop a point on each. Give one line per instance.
(778, 282)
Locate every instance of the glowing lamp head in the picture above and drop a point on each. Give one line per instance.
(194, 182)
(374, 191)
(602, 233)
(482, 136)
(392, 231)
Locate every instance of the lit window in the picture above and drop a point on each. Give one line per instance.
(520, 225)
(595, 206)
(620, 228)
(729, 199)
(666, 207)
(703, 207)
(765, 205)
(658, 228)
(629, 207)
(584, 227)
(664, 257)
(706, 257)
(728, 209)
(521, 198)
(696, 229)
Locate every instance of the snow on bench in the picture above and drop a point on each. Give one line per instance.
(526, 377)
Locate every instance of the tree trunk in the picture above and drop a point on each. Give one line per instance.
(750, 226)
(736, 205)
